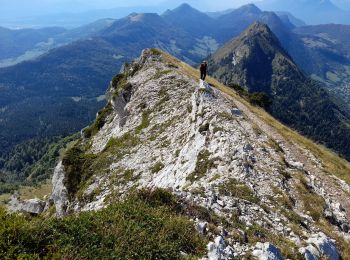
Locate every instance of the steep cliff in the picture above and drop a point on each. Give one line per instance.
(270, 191)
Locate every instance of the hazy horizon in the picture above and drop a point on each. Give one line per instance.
(24, 8)
(41, 13)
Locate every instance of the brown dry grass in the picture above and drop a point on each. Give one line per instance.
(29, 192)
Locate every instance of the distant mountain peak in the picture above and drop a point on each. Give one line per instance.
(183, 9)
(310, 11)
(145, 18)
(184, 6)
(256, 47)
(194, 21)
(262, 31)
(252, 8)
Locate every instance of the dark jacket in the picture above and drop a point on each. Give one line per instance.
(203, 67)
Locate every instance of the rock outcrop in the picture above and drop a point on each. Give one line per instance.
(32, 206)
(267, 251)
(167, 130)
(59, 195)
(320, 245)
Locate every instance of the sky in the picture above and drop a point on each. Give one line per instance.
(36, 7)
(36, 13)
(22, 8)
(13, 12)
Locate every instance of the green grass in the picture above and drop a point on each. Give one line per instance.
(274, 145)
(226, 115)
(145, 122)
(80, 165)
(156, 51)
(161, 73)
(202, 166)
(129, 175)
(157, 167)
(257, 233)
(286, 205)
(125, 141)
(76, 164)
(313, 203)
(238, 190)
(120, 82)
(145, 226)
(163, 98)
(288, 249)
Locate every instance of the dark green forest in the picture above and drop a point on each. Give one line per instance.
(31, 162)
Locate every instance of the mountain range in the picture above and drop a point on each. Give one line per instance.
(310, 11)
(329, 50)
(26, 44)
(67, 83)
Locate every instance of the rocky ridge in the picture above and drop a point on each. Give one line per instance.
(163, 129)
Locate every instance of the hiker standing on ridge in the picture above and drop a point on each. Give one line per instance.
(203, 69)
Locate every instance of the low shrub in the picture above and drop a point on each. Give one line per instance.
(99, 122)
(257, 98)
(260, 99)
(238, 190)
(76, 164)
(142, 227)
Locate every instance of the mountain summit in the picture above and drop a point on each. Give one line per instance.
(252, 53)
(257, 61)
(192, 20)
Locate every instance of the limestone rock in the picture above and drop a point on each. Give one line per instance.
(236, 112)
(325, 246)
(201, 227)
(59, 195)
(217, 250)
(32, 206)
(310, 252)
(267, 251)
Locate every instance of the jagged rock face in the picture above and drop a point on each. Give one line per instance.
(168, 130)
